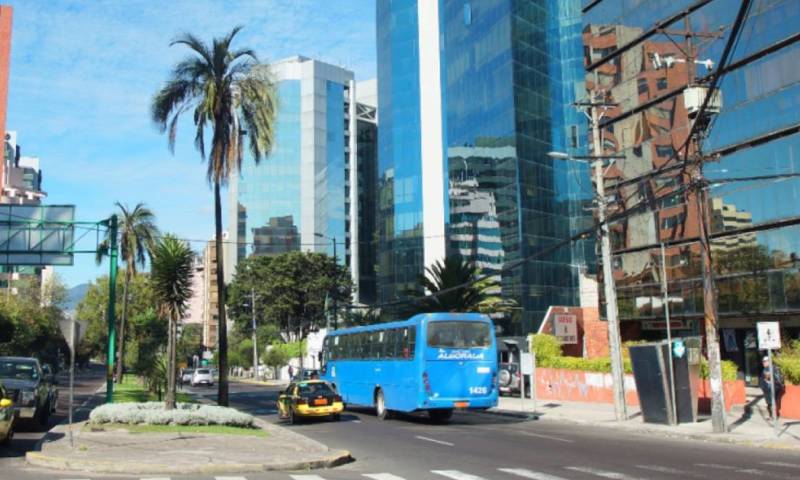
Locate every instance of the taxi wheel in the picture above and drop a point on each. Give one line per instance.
(6, 441)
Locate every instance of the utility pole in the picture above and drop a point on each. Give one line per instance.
(335, 302)
(700, 185)
(665, 296)
(112, 300)
(614, 342)
(255, 339)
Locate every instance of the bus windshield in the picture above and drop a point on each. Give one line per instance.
(456, 334)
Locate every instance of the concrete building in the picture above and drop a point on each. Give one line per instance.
(211, 294)
(196, 311)
(471, 97)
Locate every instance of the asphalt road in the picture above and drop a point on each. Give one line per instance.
(488, 447)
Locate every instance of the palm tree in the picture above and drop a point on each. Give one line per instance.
(137, 233)
(456, 285)
(171, 273)
(228, 92)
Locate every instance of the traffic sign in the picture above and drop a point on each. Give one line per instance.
(73, 338)
(769, 336)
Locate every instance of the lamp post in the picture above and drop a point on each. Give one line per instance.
(335, 261)
(614, 341)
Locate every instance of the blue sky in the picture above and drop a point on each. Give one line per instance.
(83, 72)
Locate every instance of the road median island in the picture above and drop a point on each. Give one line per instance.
(182, 449)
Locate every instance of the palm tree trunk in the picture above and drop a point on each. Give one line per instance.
(170, 402)
(222, 336)
(122, 322)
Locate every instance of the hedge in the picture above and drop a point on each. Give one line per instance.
(790, 367)
(154, 413)
(549, 355)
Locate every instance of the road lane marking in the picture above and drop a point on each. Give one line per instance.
(521, 472)
(230, 478)
(671, 471)
(548, 437)
(602, 473)
(382, 476)
(306, 477)
(781, 464)
(456, 475)
(440, 442)
(730, 468)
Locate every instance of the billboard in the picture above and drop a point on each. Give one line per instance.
(37, 235)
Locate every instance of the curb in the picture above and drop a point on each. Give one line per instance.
(39, 459)
(703, 437)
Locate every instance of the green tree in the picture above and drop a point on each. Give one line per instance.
(190, 342)
(455, 285)
(275, 358)
(228, 92)
(29, 320)
(147, 347)
(172, 283)
(136, 233)
(92, 309)
(291, 290)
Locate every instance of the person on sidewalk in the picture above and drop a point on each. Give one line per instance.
(764, 383)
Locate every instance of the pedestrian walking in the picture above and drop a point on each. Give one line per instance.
(766, 385)
(291, 373)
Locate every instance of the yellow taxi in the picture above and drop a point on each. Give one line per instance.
(310, 398)
(7, 416)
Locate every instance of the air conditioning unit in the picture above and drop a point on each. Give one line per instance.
(693, 98)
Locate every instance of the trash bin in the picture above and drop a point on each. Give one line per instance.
(651, 372)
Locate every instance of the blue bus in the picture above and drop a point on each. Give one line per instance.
(434, 362)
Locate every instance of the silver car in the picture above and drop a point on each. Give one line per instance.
(202, 376)
(186, 375)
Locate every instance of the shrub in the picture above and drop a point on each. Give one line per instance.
(790, 366)
(546, 347)
(154, 413)
(600, 365)
(729, 370)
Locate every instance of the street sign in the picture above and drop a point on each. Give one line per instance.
(566, 328)
(526, 364)
(769, 336)
(65, 325)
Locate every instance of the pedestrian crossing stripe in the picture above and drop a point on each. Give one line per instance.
(382, 476)
(306, 477)
(521, 472)
(456, 475)
(602, 473)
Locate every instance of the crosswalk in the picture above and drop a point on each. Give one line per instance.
(779, 470)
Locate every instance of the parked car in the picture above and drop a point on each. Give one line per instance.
(186, 375)
(7, 416)
(49, 377)
(202, 376)
(313, 398)
(509, 378)
(24, 380)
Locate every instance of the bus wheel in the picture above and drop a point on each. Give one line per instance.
(380, 406)
(441, 415)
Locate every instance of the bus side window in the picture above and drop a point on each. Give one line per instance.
(412, 341)
(404, 344)
(389, 347)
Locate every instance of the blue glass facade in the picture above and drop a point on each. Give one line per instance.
(400, 254)
(331, 197)
(268, 203)
(507, 86)
(754, 133)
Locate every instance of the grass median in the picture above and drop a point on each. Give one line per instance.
(132, 390)
(206, 429)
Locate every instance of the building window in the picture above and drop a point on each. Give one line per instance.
(664, 150)
(643, 88)
(573, 136)
(467, 14)
(661, 83)
(673, 221)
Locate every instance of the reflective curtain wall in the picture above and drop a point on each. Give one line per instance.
(752, 132)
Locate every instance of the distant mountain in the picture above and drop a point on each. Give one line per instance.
(75, 295)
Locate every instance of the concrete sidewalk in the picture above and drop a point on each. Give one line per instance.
(183, 453)
(748, 426)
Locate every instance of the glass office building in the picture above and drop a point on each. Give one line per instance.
(656, 77)
(298, 197)
(472, 96)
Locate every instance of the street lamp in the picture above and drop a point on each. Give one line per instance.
(612, 313)
(335, 262)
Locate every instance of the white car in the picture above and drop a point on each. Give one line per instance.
(186, 376)
(202, 376)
